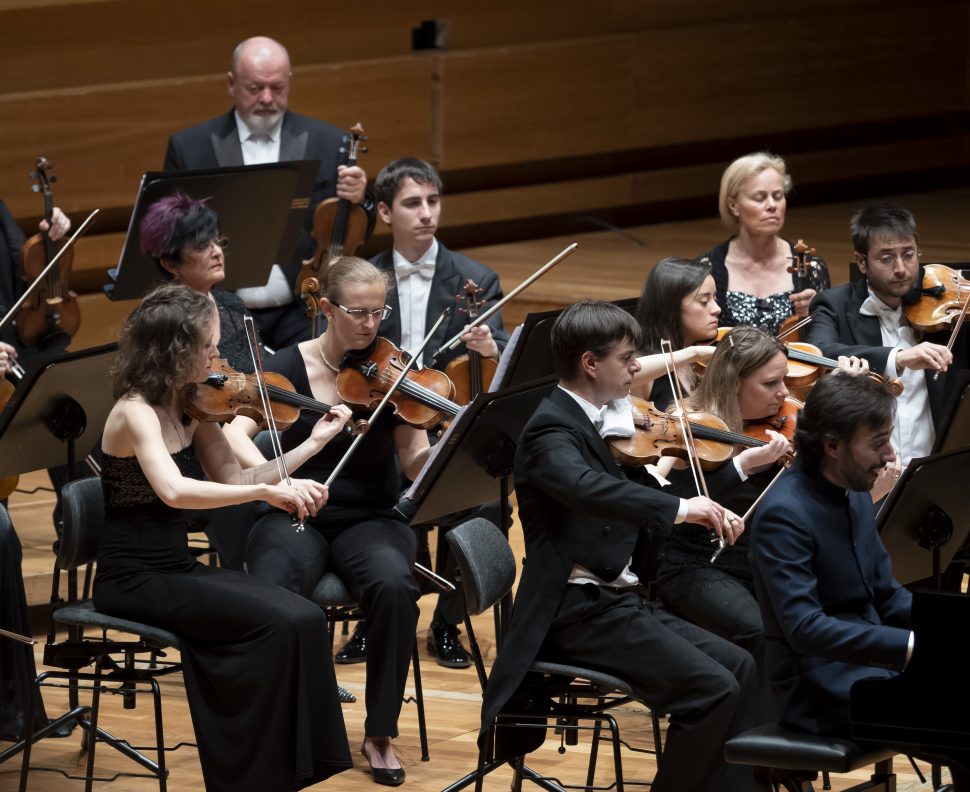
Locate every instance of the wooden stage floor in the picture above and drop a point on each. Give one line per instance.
(608, 265)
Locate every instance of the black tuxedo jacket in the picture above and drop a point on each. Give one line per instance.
(577, 506)
(837, 328)
(451, 271)
(215, 144)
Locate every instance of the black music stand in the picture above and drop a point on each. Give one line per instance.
(261, 208)
(527, 356)
(956, 423)
(928, 509)
(57, 412)
(472, 462)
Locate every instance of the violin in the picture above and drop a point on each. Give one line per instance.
(226, 393)
(658, 434)
(423, 399)
(339, 227)
(52, 308)
(938, 299)
(471, 373)
(802, 262)
(805, 364)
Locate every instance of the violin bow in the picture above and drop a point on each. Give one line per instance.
(50, 265)
(453, 342)
(443, 583)
(695, 465)
(277, 446)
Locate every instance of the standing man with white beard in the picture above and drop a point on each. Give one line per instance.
(261, 129)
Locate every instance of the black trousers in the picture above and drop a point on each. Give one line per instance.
(706, 684)
(373, 553)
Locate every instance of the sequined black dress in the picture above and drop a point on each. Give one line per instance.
(256, 658)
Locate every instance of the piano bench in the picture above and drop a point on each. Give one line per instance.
(776, 746)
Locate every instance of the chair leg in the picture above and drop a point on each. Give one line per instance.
(476, 652)
(159, 737)
(419, 701)
(593, 753)
(92, 735)
(657, 742)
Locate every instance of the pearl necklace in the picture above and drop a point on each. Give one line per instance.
(323, 356)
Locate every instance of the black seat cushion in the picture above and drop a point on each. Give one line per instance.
(331, 592)
(773, 745)
(84, 614)
(604, 681)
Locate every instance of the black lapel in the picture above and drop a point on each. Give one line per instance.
(445, 286)
(292, 144)
(864, 329)
(567, 404)
(391, 327)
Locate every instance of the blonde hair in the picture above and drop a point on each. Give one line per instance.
(738, 355)
(348, 271)
(740, 171)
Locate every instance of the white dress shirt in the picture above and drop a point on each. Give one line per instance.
(413, 292)
(913, 433)
(258, 149)
(603, 419)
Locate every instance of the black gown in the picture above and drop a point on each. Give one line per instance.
(256, 658)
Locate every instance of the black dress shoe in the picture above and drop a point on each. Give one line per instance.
(345, 696)
(384, 775)
(355, 650)
(445, 646)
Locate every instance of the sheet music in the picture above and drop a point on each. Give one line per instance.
(442, 442)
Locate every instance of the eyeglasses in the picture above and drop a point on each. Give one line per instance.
(203, 246)
(360, 314)
(908, 256)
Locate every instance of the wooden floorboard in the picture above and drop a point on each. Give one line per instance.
(608, 265)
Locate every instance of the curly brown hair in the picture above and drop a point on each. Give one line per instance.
(159, 343)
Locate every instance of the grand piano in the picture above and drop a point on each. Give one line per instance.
(926, 709)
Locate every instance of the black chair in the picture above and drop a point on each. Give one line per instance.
(805, 755)
(341, 606)
(572, 694)
(117, 667)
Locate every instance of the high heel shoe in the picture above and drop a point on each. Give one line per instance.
(383, 775)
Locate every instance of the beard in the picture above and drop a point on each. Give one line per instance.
(861, 479)
(266, 124)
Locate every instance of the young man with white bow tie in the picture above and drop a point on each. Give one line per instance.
(428, 278)
(866, 318)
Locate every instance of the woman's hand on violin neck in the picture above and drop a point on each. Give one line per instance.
(479, 339)
(802, 301)
(59, 226)
(330, 424)
(754, 460)
(724, 522)
(8, 355)
(925, 355)
(853, 365)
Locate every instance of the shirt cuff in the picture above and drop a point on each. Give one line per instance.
(891, 373)
(737, 467)
(681, 512)
(909, 648)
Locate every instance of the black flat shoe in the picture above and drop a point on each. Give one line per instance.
(384, 775)
(355, 650)
(444, 645)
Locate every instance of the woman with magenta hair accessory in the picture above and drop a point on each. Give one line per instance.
(182, 235)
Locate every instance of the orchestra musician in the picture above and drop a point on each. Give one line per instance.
(236, 631)
(182, 235)
(866, 318)
(751, 268)
(17, 667)
(833, 613)
(428, 276)
(357, 533)
(577, 602)
(260, 129)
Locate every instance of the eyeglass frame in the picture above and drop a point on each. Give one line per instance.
(906, 256)
(201, 247)
(359, 314)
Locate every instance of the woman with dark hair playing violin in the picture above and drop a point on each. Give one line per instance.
(256, 659)
(357, 532)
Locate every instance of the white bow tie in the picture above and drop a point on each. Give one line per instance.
(423, 269)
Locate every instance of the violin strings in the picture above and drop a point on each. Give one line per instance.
(419, 392)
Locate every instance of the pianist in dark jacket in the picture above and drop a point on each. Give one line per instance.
(832, 611)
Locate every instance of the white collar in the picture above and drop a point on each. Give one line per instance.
(874, 306)
(430, 256)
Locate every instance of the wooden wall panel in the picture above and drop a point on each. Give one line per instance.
(700, 83)
(102, 140)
